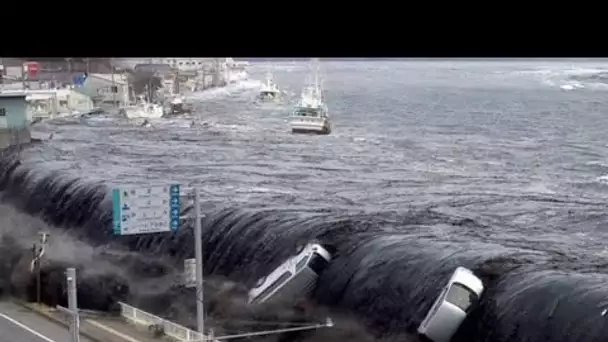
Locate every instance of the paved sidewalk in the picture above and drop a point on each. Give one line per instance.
(118, 326)
(99, 328)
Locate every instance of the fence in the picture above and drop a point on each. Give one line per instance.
(171, 329)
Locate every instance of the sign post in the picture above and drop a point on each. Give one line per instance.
(72, 309)
(143, 210)
(198, 251)
(73, 304)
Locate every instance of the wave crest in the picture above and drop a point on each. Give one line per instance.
(387, 270)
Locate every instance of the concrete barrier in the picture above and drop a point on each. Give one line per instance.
(171, 329)
(13, 137)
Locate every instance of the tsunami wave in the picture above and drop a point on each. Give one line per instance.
(386, 271)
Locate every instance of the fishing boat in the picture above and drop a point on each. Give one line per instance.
(175, 100)
(143, 109)
(178, 105)
(310, 115)
(269, 90)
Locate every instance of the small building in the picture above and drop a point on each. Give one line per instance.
(47, 103)
(14, 125)
(106, 88)
(157, 69)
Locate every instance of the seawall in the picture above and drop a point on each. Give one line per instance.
(14, 137)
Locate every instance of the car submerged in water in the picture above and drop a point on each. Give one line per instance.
(454, 303)
(295, 278)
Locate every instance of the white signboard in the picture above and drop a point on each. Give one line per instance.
(14, 72)
(190, 272)
(142, 210)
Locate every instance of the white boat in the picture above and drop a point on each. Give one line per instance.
(310, 115)
(235, 70)
(178, 105)
(143, 110)
(175, 102)
(269, 89)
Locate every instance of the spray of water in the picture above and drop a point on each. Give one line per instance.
(386, 270)
(109, 271)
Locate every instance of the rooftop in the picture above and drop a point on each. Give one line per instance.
(12, 95)
(120, 79)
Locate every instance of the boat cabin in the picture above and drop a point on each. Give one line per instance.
(312, 112)
(268, 93)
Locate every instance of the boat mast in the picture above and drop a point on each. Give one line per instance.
(150, 88)
(176, 89)
(113, 89)
(315, 66)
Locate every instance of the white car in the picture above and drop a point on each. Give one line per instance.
(452, 306)
(295, 278)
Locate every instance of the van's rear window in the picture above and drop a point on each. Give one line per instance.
(318, 263)
(461, 296)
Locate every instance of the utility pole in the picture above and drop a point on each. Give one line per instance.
(23, 71)
(88, 65)
(72, 310)
(38, 252)
(18, 142)
(216, 72)
(176, 87)
(2, 69)
(198, 251)
(113, 88)
(73, 304)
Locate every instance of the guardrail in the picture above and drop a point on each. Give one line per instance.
(171, 329)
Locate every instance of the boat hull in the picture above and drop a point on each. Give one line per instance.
(311, 127)
(323, 131)
(178, 109)
(143, 113)
(269, 96)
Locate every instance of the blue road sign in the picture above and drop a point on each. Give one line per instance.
(144, 209)
(174, 207)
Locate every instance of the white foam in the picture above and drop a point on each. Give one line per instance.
(602, 179)
(560, 75)
(215, 93)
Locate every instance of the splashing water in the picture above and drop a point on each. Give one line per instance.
(386, 269)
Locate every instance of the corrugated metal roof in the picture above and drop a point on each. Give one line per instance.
(120, 79)
(12, 95)
(35, 97)
(62, 77)
(154, 68)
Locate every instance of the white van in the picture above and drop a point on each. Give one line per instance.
(452, 306)
(296, 277)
